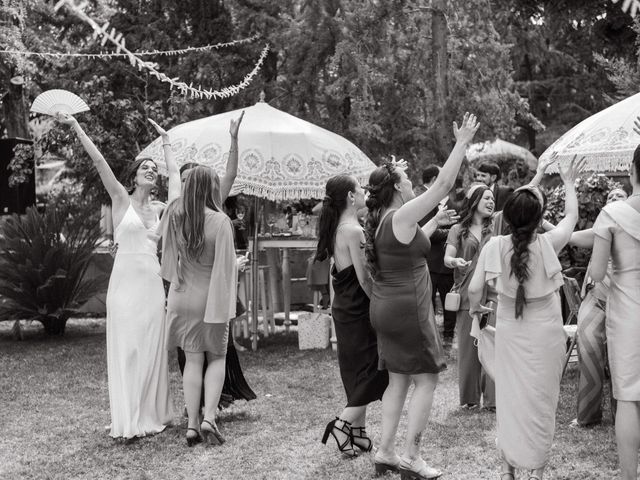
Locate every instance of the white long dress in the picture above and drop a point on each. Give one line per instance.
(137, 362)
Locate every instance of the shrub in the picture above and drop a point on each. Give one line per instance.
(43, 260)
(592, 194)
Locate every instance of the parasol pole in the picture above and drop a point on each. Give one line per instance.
(254, 278)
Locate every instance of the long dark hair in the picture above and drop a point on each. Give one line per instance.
(381, 190)
(469, 207)
(201, 190)
(129, 178)
(522, 212)
(333, 204)
(636, 162)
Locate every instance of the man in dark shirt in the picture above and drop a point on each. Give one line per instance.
(489, 174)
(441, 276)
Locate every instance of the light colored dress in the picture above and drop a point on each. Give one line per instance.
(202, 296)
(529, 351)
(619, 223)
(137, 362)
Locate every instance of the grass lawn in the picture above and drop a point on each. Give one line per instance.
(54, 406)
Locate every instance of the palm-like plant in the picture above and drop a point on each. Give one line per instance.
(43, 261)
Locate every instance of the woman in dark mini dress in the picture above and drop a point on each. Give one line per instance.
(401, 310)
(341, 237)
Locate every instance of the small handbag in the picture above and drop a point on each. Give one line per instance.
(452, 300)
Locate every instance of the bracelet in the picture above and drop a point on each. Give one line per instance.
(166, 144)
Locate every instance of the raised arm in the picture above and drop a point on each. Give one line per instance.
(443, 218)
(542, 168)
(355, 243)
(173, 171)
(562, 233)
(413, 211)
(116, 191)
(599, 258)
(226, 182)
(582, 238)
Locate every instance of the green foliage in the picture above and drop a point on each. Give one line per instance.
(592, 195)
(555, 49)
(21, 165)
(43, 260)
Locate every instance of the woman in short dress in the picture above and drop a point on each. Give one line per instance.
(401, 312)
(341, 236)
(198, 258)
(530, 347)
(617, 235)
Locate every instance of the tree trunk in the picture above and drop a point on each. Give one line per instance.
(15, 112)
(54, 325)
(442, 131)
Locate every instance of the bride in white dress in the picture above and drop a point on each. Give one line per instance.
(137, 362)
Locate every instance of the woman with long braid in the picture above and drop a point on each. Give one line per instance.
(530, 343)
(401, 311)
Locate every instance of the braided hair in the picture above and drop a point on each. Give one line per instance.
(333, 204)
(523, 213)
(381, 191)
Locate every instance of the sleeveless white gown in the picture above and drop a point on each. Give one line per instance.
(137, 360)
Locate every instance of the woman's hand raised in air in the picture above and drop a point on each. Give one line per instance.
(234, 125)
(467, 130)
(65, 118)
(569, 172)
(161, 131)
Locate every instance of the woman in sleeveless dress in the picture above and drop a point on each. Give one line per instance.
(199, 259)
(137, 363)
(529, 340)
(464, 243)
(617, 235)
(340, 236)
(401, 312)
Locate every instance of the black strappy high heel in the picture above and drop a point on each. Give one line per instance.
(346, 447)
(362, 435)
(191, 441)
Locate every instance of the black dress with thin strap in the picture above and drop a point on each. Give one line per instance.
(357, 345)
(401, 309)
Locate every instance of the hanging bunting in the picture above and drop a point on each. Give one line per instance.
(118, 40)
(180, 51)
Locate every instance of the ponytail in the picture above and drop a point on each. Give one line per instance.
(333, 204)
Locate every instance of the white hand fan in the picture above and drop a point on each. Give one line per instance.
(58, 101)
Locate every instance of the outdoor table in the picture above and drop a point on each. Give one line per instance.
(285, 243)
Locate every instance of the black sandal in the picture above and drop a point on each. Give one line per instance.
(191, 441)
(211, 433)
(362, 436)
(345, 447)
